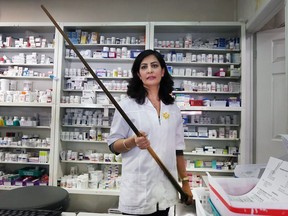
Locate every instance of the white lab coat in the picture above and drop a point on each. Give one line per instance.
(143, 183)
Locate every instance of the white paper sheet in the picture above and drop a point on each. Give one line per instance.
(271, 191)
(272, 187)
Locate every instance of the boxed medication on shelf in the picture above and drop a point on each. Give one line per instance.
(135, 53)
(196, 102)
(219, 103)
(236, 72)
(234, 103)
(87, 100)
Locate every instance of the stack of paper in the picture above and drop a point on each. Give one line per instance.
(251, 196)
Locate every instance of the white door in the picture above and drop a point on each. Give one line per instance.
(271, 95)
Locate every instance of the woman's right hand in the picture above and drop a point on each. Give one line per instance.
(142, 142)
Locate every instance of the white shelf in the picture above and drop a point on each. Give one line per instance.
(206, 31)
(205, 77)
(104, 78)
(201, 63)
(205, 108)
(26, 104)
(107, 45)
(99, 106)
(28, 65)
(213, 125)
(119, 30)
(209, 155)
(90, 162)
(93, 191)
(102, 59)
(151, 31)
(28, 163)
(107, 192)
(26, 127)
(86, 126)
(46, 111)
(85, 141)
(26, 49)
(25, 77)
(209, 170)
(204, 92)
(74, 90)
(9, 187)
(198, 49)
(98, 90)
(213, 139)
(24, 147)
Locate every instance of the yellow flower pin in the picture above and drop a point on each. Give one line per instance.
(166, 115)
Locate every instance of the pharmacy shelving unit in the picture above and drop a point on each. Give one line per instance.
(28, 89)
(108, 51)
(189, 49)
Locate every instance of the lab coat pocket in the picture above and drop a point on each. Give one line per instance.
(133, 190)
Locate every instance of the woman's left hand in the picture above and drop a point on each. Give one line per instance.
(187, 190)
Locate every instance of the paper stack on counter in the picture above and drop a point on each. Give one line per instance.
(252, 196)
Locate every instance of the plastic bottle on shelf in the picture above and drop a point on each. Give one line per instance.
(9, 97)
(22, 121)
(120, 72)
(35, 120)
(99, 135)
(27, 85)
(230, 70)
(8, 121)
(65, 120)
(193, 72)
(16, 121)
(92, 133)
(49, 95)
(209, 71)
(1, 121)
(222, 72)
(25, 140)
(125, 73)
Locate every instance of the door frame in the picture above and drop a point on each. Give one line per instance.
(261, 18)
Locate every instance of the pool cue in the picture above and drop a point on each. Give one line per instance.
(184, 196)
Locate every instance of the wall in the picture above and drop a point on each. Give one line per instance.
(118, 10)
(248, 8)
(260, 14)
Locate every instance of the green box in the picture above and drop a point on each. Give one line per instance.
(31, 171)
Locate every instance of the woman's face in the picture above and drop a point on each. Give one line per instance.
(150, 71)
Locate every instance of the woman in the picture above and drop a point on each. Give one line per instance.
(145, 190)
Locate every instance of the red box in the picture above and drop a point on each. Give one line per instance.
(196, 102)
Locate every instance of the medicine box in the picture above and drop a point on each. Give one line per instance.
(233, 103)
(196, 102)
(135, 53)
(219, 103)
(235, 72)
(31, 171)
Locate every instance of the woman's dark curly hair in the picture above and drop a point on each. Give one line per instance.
(136, 89)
